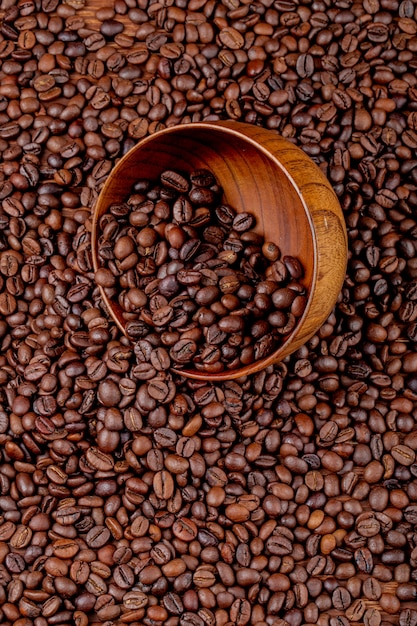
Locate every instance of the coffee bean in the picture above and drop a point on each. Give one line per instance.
(364, 560)
(95, 585)
(175, 181)
(163, 485)
(185, 529)
(98, 536)
(231, 38)
(21, 537)
(79, 572)
(123, 576)
(65, 548)
(403, 455)
(183, 351)
(99, 460)
(341, 599)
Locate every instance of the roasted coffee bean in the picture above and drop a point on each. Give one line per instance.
(163, 485)
(185, 529)
(98, 536)
(183, 351)
(99, 460)
(124, 576)
(175, 181)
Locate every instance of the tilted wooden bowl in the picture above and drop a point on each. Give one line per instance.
(266, 175)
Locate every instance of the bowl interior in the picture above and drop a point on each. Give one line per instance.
(252, 180)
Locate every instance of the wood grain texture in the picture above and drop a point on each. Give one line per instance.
(266, 175)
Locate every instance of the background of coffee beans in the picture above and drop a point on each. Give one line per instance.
(287, 498)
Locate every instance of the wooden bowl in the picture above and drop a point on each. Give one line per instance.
(266, 175)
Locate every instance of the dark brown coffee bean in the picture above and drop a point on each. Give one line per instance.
(243, 222)
(231, 38)
(341, 599)
(305, 65)
(99, 460)
(98, 536)
(185, 529)
(123, 576)
(240, 612)
(79, 572)
(183, 351)
(175, 181)
(163, 485)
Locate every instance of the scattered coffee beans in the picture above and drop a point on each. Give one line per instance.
(192, 271)
(288, 498)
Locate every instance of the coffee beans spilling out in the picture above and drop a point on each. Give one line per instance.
(190, 270)
(288, 498)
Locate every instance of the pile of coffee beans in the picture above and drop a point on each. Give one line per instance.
(288, 498)
(190, 271)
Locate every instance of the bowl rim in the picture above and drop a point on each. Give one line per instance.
(222, 126)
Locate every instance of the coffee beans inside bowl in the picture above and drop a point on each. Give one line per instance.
(193, 277)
